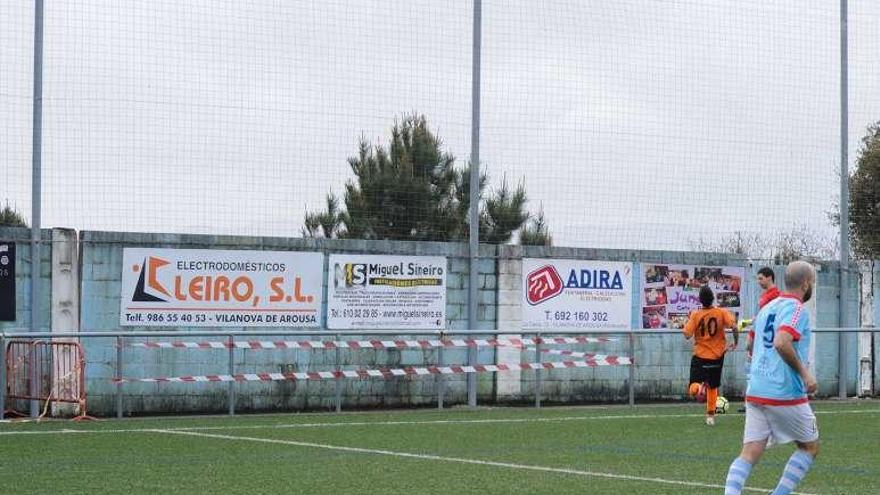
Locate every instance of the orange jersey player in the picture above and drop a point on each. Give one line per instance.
(706, 326)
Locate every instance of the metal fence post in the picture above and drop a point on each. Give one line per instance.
(539, 382)
(2, 375)
(338, 374)
(33, 370)
(231, 387)
(119, 383)
(635, 322)
(632, 367)
(474, 213)
(36, 193)
(441, 380)
(842, 343)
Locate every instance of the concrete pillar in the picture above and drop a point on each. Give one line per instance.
(866, 316)
(65, 281)
(508, 384)
(65, 308)
(814, 317)
(875, 276)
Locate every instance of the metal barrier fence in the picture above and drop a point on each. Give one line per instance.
(48, 372)
(656, 368)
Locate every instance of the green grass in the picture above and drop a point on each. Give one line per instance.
(269, 453)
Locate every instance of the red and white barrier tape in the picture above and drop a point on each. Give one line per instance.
(372, 344)
(574, 354)
(383, 373)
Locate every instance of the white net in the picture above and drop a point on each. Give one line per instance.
(674, 124)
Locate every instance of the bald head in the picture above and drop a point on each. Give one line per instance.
(800, 277)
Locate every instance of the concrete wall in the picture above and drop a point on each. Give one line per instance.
(22, 239)
(876, 323)
(866, 339)
(101, 283)
(875, 309)
(661, 372)
(663, 360)
(828, 312)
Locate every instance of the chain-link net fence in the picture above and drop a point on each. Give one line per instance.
(673, 124)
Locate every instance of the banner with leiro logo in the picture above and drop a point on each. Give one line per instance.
(405, 292)
(576, 294)
(217, 288)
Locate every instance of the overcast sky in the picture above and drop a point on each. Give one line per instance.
(636, 124)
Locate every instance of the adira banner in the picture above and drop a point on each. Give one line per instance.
(216, 288)
(576, 294)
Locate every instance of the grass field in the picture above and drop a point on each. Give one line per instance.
(584, 450)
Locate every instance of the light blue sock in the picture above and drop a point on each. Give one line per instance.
(736, 476)
(798, 465)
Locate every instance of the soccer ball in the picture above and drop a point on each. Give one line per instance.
(722, 405)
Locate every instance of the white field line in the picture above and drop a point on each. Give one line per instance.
(561, 419)
(460, 460)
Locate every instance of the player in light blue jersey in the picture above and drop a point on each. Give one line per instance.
(779, 384)
(777, 403)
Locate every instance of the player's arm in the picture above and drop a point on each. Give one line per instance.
(784, 345)
(730, 322)
(750, 336)
(689, 327)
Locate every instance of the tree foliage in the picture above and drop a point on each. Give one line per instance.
(783, 246)
(864, 197)
(536, 233)
(10, 217)
(412, 190)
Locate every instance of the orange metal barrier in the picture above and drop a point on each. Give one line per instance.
(58, 368)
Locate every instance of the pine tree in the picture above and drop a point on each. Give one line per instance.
(864, 197)
(412, 190)
(10, 217)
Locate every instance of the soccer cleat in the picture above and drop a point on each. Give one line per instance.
(710, 420)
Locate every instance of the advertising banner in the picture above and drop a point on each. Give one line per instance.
(217, 288)
(576, 294)
(7, 282)
(671, 292)
(405, 292)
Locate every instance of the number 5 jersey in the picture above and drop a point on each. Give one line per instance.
(772, 381)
